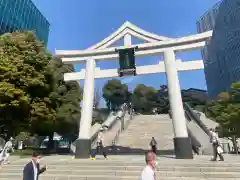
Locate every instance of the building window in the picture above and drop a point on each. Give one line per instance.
(203, 24)
(225, 19)
(215, 12)
(209, 21)
(198, 27)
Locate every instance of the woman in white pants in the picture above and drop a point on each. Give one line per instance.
(8, 148)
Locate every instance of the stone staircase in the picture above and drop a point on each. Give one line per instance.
(127, 167)
(142, 128)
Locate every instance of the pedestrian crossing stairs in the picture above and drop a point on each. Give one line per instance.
(127, 168)
(136, 138)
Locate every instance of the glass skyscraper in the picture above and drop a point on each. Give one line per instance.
(222, 54)
(23, 15)
(207, 23)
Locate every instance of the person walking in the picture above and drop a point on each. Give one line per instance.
(217, 149)
(148, 173)
(100, 146)
(32, 170)
(153, 145)
(6, 152)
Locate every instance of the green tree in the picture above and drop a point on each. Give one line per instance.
(144, 99)
(13, 104)
(162, 100)
(226, 111)
(26, 83)
(197, 99)
(66, 97)
(115, 94)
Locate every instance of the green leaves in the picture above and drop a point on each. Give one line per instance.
(66, 97)
(115, 93)
(226, 111)
(144, 98)
(33, 95)
(11, 97)
(25, 84)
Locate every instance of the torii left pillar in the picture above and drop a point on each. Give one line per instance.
(83, 143)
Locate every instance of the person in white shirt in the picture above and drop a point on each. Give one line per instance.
(100, 146)
(7, 150)
(216, 146)
(148, 172)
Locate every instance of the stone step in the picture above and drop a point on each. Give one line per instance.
(129, 168)
(146, 137)
(139, 163)
(53, 169)
(144, 127)
(115, 178)
(109, 173)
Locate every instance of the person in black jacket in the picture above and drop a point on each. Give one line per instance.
(153, 144)
(32, 169)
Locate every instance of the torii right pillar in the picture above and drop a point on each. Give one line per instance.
(182, 144)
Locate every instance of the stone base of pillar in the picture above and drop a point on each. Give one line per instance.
(183, 148)
(83, 148)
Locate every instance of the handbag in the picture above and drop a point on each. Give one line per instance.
(9, 150)
(219, 150)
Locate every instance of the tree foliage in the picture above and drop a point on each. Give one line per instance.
(162, 100)
(226, 111)
(115, 94)
(144, 98)
(66, 97)
(197, 99)
(25, 82)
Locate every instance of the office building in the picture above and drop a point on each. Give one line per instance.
(207, 23)
(222, 54)
(224, 49)
(23, 15)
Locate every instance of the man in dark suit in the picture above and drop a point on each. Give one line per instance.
(32, 169)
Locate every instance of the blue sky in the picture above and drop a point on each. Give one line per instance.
(78, 24)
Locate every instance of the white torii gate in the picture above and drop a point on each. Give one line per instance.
(155, 45)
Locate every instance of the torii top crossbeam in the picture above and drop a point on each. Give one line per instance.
(155, 45)
(103, 51)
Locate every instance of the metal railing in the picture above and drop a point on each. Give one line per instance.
(195, 117)
(124, 124)
(114, 141)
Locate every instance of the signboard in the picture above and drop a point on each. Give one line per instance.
(127, 62)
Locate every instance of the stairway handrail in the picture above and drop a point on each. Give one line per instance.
(124, 110)
(195, 117)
